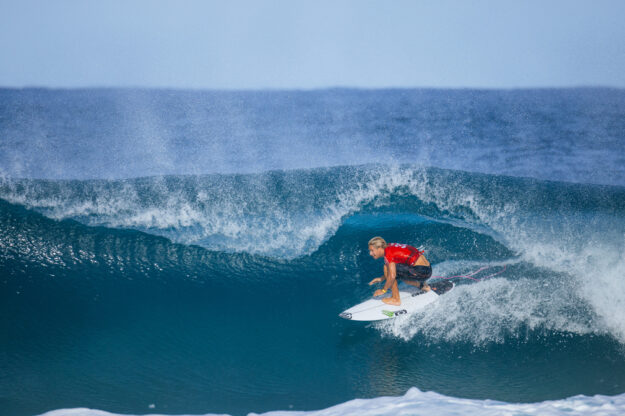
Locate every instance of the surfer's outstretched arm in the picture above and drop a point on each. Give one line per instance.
(379, 279)
(390, 274)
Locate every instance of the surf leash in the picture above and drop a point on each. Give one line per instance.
(472, 274)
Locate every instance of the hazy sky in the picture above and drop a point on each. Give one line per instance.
(310, 44)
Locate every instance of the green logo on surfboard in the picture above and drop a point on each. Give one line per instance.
(390, 314)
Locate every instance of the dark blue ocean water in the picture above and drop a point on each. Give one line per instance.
(189, 252)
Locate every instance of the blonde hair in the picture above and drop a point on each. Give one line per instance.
(377, 242)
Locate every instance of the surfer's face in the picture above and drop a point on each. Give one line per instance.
(376, 253)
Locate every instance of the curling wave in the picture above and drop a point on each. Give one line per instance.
(556, 236)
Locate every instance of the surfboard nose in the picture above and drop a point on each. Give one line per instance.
(345, 315)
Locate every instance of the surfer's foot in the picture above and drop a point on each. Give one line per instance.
(392, 301)
(425, 288)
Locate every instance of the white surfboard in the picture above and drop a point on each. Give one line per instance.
(412, 300)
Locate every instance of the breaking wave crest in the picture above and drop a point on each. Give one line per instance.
(554, 237)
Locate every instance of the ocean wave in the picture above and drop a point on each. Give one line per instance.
(569, 237)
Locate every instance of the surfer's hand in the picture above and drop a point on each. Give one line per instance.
(379, 292)
(376, 280)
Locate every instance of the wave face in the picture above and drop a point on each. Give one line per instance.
(220, 291)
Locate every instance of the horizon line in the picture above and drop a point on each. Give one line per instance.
(312, 89)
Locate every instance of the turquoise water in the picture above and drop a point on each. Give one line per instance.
(204, 292)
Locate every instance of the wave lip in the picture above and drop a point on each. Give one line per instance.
(570, 232)
(417, 402)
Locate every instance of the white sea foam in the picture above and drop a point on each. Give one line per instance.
(586, 249)
(416, 402)
(494, 310)
(254, 219)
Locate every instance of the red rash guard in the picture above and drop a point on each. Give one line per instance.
(401, 254)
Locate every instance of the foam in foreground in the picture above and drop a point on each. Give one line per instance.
(416, 402)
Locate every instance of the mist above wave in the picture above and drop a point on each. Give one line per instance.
(563, 134)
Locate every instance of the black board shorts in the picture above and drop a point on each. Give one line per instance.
(408, 272)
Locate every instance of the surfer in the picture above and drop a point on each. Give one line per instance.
(401, 261)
